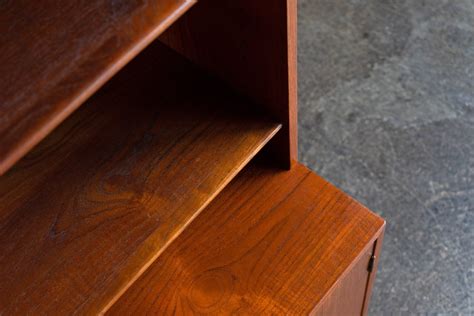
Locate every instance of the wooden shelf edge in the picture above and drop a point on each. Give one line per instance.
(17, 141)
(229, 178)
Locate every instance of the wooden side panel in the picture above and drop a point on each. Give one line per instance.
(348, 295)
(377, 251)
(251, 45)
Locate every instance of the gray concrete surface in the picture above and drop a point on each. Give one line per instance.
(386, 92)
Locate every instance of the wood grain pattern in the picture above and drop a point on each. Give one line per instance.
(88, 210)
(347, 295)
(56, 54)
(272, 243)
(252, 45)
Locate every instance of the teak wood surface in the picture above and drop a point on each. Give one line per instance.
(347, 297)
(56, 54)
(251, 44)
(84, 213)
(272, 243)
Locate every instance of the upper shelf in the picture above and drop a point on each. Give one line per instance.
(54, 55)
(85, 212)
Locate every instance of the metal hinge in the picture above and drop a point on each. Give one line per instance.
(370, 267)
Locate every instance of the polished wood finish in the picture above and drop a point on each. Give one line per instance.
(88, 210)
(56, 54)
(273, 242)
(103, 216)
(347, 297)
(251, 45)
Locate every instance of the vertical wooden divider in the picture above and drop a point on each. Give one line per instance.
(252, 46)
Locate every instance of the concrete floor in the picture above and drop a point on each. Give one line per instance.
(386, 95)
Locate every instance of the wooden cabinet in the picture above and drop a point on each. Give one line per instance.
(148, 165)
(350, 295)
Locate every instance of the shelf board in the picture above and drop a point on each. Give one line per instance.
(272, 243)
(88, 210)
(56, 55)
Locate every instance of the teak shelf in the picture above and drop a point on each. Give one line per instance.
(113, 185)
(117, 189)
(55, 55)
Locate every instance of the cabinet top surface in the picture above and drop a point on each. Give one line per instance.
(272, 243)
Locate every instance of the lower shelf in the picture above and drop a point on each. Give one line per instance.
(87, 211)
(273, 242)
